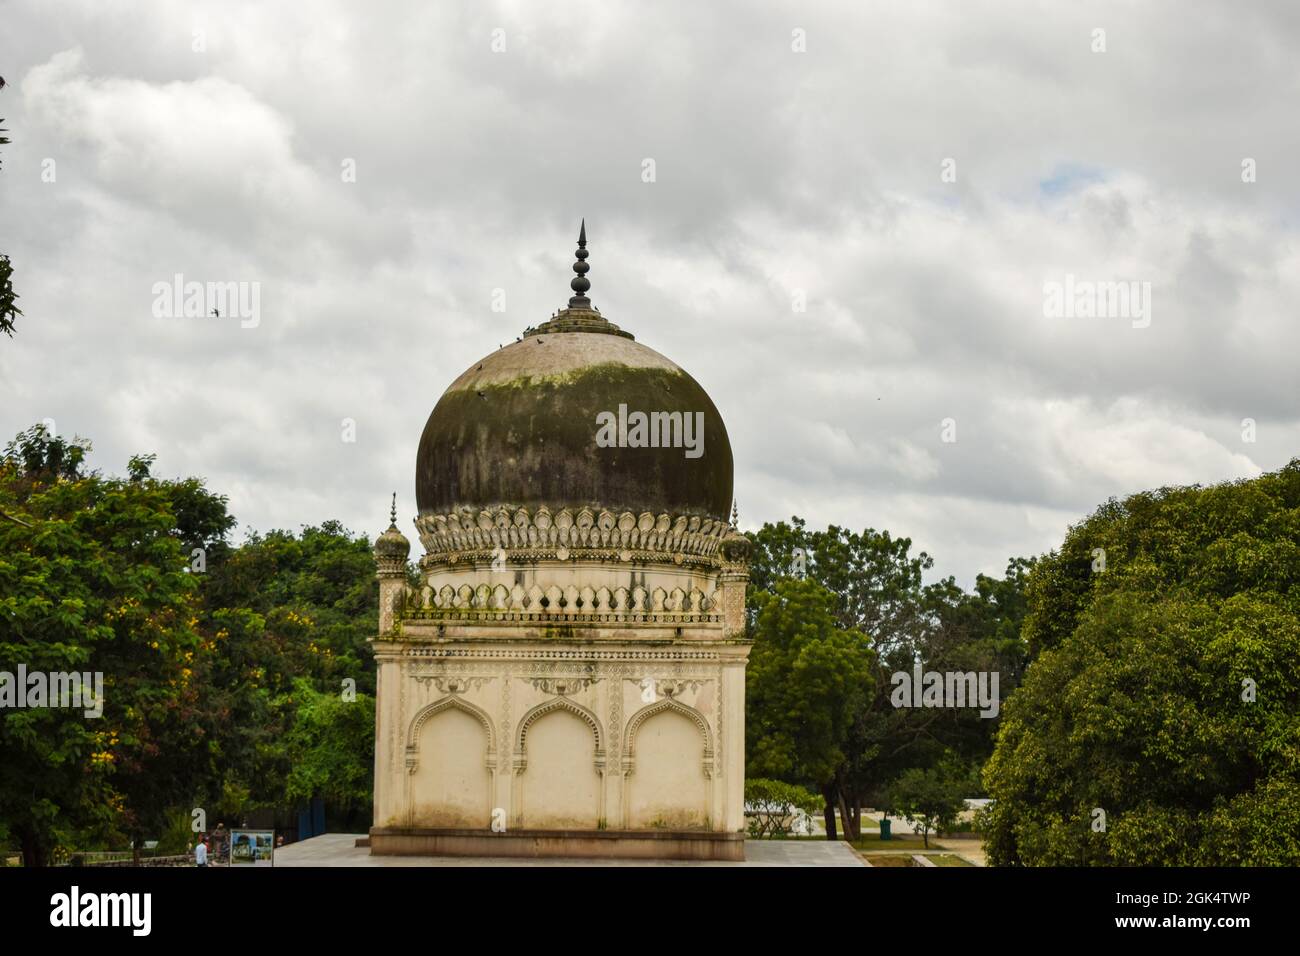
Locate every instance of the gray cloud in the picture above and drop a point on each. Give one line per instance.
(776, 172)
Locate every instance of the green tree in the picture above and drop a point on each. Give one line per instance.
(95, 581)
(877, 589)
(771, 805)
(282, 612)
(874, 577)
(1159, 722)
(226, 667)
(9, 310)
(930, 798)
(331, 746)
(806, 679)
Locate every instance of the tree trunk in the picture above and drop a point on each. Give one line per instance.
(828, 792)
(844, 815)
(853, 818)
(33, 852)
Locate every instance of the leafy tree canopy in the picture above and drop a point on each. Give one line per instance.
(930, 798)
(1160, 722)
(872, 586)
(806, 680)
(94, 579)
(234, 677)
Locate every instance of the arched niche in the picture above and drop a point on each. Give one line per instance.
(450, 758)
(668, 768)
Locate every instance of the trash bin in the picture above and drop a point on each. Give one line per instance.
(884, 829)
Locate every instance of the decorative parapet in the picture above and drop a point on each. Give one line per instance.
(566, 532)
(570, 604)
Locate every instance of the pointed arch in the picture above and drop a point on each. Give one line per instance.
(549, 707)
(437, 707)
(659, 707)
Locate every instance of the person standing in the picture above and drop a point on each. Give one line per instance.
(220, 844)
(201, 853)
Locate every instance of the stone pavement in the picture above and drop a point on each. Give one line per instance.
(339, 849)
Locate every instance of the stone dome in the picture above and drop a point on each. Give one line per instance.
(520, 428)
(551, 420)
(392, 544)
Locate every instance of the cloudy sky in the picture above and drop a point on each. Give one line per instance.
(853, 215)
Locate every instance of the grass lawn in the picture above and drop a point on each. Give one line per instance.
(899, 841)
(905, 859)
(791, 836)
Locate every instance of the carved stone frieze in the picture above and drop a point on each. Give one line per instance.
(563, 685)
(668, 687)
(640, 537)
(452, 685)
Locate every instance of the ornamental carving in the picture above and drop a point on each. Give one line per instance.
(673, 688)
(670, 688)
(625, 535)
(563, 685)
(452, 685)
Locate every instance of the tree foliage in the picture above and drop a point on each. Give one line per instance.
(287, 617)
(331, 748)
(872, 586)
(806, 679)
(95, 581)
(1166, 690)
(770, 806)
(9, 310)
(930, 798)
(235, 677)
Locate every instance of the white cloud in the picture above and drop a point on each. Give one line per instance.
(776, 171)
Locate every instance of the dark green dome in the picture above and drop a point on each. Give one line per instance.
(520, 429)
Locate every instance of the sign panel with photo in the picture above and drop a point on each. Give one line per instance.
(252, 847)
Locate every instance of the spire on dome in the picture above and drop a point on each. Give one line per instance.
(580, 283)
(580, 315)
(392, 514)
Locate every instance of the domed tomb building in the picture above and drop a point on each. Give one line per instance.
(569, 678)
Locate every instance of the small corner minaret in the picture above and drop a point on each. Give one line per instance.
(736, 550)
(391, 552)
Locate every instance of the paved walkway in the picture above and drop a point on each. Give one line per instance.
(339, 849)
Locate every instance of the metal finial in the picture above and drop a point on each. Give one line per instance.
(735, 514)
(580, 283)
(392, 514)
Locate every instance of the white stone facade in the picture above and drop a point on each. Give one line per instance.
(562, 672)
